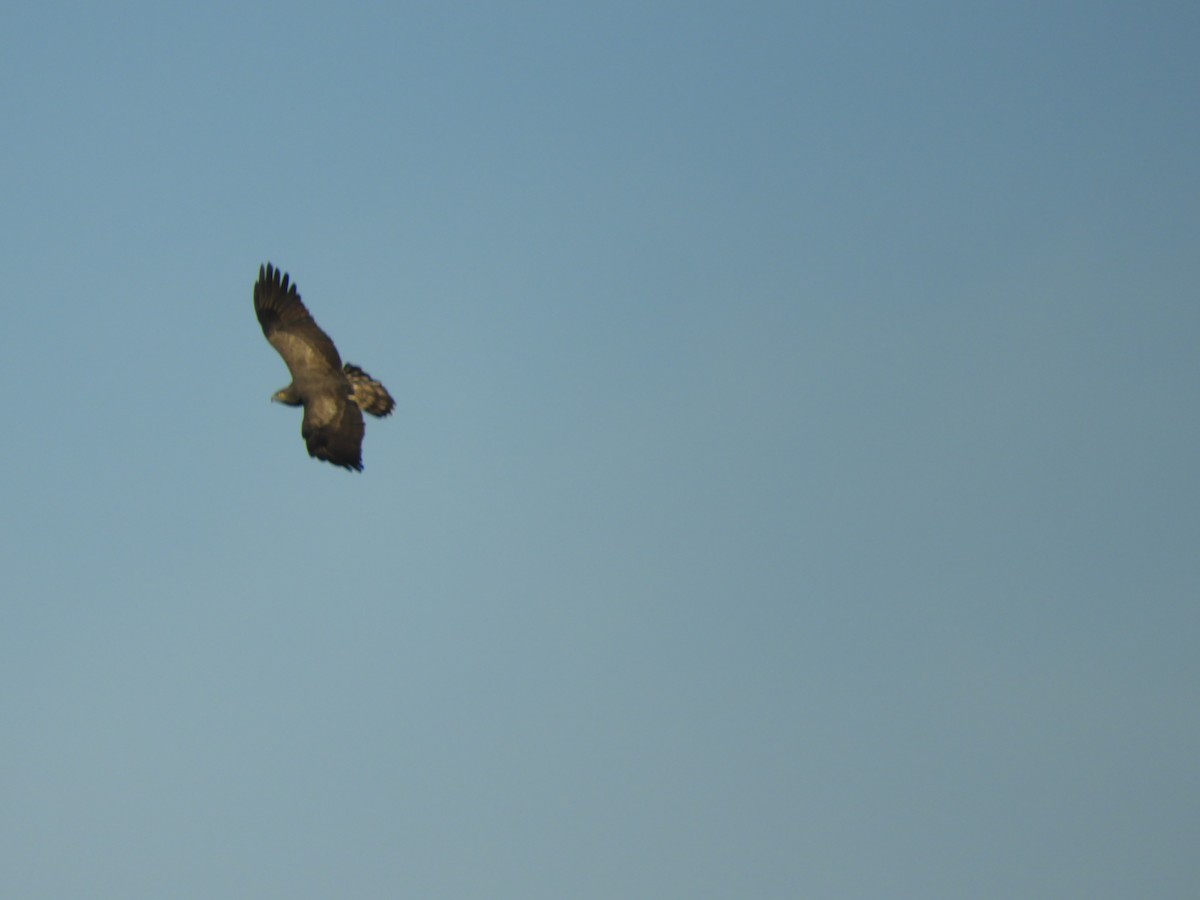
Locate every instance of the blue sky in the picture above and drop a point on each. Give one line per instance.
(793, 490)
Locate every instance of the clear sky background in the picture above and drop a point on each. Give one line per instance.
(794, 487)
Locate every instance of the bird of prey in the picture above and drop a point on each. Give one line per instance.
(334, 396)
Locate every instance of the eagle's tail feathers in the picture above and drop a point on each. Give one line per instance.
(371, 396)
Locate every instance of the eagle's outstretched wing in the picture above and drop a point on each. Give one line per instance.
(333, 430)
(333, 424)
(308, 351)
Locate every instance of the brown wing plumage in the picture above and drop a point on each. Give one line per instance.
(333, 431)
(290, 329)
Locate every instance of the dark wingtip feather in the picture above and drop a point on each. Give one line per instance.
(271, 277)
(277, 300)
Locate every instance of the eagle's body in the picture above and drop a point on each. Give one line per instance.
(334, 396)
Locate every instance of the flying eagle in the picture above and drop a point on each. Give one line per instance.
(334, 396)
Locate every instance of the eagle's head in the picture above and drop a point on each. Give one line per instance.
(287, 396)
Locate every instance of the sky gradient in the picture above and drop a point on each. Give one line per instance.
(793, 490)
